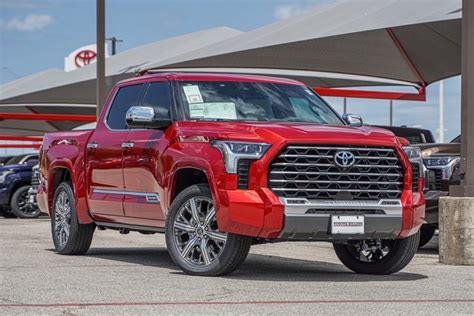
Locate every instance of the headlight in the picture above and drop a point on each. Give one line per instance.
(413, 153)
(233, 151)
(4, 175)
(441, 161)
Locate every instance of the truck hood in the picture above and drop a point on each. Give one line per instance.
(16, 168)
(288, 132)
(451, 149)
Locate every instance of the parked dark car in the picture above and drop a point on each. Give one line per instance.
(32, 193)
(412, 134)
(442, 162)
(4, 159)
(15, 181)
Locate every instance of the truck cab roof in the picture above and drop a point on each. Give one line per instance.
(203, 76)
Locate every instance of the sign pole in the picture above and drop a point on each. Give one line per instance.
(100, 4)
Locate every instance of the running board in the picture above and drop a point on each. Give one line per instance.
(138, 228)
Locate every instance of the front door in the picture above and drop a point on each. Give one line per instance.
(142, 159)
(105, 155)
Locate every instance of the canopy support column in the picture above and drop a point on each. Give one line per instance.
(456, 245)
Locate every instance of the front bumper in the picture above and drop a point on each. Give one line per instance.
(311, 220)
(262, 214)
(4, 195)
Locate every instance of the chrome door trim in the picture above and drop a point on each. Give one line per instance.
(151, 197)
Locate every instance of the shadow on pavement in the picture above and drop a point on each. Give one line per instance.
(272, 268)
(256, 267)
(153, 257)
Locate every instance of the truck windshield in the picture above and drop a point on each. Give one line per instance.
(254, 101)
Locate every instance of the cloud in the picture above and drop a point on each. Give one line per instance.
(285, 11)
(32, 22)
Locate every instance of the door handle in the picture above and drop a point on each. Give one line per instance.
(128, 145)
(92, 146)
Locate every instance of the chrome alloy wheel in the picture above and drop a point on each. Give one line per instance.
(371, 250)
(62, 218)
(196, 233)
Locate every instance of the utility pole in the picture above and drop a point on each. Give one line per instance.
(345, 105)
(441, 112)
(113, 40)
(391, 112)
(100, 35)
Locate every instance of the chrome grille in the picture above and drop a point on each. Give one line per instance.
(35, 178)
(303, 171)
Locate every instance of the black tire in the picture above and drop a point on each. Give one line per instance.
(231, 255)
(426, 233)
(400, 254)
(19, 204)
(80, 235)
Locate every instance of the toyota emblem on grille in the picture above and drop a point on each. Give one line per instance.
(344, 159)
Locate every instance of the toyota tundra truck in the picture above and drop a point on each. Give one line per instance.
(217, 162)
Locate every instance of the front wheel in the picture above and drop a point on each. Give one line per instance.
(193, 238)
(378, 256)
(20, 206)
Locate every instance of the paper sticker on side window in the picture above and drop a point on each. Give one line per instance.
(193, 94)
(217, 110)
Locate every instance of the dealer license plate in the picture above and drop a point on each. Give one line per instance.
(347, 224)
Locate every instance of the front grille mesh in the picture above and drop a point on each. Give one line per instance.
(35, 178)
(415, 167)
(438, 179)
(309, 171)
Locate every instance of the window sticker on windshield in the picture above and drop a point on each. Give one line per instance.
(216, 110)
(196, 110)
(193, 94)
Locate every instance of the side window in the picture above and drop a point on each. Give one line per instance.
(159, 97)
(125, 98)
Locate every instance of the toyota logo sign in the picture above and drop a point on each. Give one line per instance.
(84, 57)
(344, 159)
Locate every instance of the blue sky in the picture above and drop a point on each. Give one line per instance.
(37, 34)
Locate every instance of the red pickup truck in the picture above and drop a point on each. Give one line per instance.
(218, 162)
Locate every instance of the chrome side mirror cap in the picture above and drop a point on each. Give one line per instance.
(353, 120)
(144, 117)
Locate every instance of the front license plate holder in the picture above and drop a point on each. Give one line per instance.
(347, 224)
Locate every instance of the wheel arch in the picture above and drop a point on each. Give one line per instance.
(64, 172)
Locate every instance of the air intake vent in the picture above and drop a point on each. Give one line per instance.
(243, 174)
(415, 169)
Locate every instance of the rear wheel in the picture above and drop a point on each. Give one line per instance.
(21, 207)
(193, 238)
(426, 233)
(378, 256)
(69, 236)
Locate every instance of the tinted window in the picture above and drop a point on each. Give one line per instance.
(456, 140)
(158, 96)
(125, 98)
(254, 101)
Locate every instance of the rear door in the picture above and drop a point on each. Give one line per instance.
(142, 167)
(105, 154)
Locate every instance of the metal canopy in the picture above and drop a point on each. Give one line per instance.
(412, 41)
(78, 86)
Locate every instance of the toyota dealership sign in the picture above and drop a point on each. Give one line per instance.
(81, 57)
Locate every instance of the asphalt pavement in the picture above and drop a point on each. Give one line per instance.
(133, 274)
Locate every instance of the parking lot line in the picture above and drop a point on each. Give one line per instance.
(177, 303)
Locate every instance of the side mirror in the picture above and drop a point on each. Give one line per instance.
(144, 117)
(353, 120)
